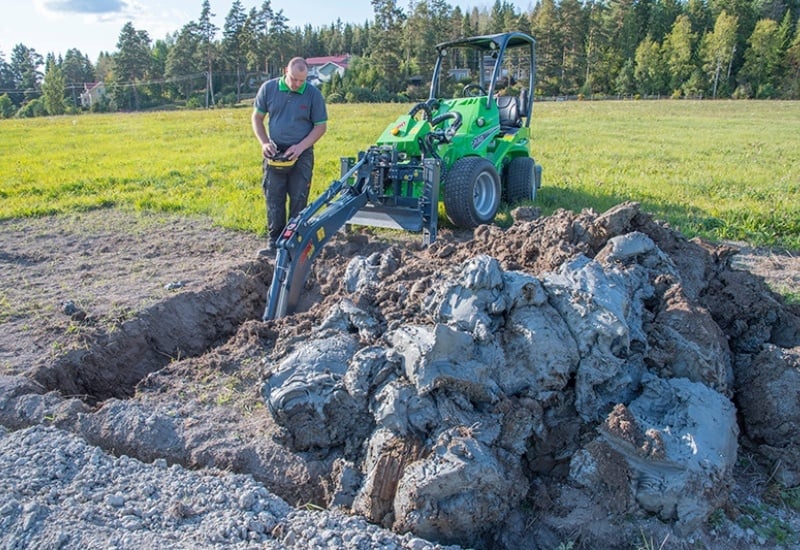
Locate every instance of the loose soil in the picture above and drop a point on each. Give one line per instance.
(117, 311)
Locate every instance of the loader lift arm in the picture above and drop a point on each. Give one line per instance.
(362, 187)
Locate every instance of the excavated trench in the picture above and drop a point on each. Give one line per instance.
(188, 324)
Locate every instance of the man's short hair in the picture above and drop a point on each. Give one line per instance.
(298, 64)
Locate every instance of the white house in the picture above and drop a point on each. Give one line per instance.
(321, 69)
(92, 92)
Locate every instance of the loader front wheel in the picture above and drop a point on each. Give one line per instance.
(471, 192)
(520, 182)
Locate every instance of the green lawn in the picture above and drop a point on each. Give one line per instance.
(720, 169)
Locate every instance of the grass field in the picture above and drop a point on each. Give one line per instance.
(718, 169)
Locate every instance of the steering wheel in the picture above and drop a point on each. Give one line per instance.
(473, 90)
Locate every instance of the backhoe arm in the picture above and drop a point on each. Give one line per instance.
(305, 235)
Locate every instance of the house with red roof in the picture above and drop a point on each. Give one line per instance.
(321, 69)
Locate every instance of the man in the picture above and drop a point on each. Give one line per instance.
(297, 119)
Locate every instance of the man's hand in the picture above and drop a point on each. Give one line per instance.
(293, 152)
(269, 149)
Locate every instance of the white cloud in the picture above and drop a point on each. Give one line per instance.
(84, 6)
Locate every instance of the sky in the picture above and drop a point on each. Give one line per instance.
(93, 26)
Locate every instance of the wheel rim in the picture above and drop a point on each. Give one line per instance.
(483, 195)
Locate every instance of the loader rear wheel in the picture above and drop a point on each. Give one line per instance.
(471, 192)
(520, 180)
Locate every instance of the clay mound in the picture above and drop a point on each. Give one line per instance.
(573, 377)
(513, 357)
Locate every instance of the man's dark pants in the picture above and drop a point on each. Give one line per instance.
(278, 185)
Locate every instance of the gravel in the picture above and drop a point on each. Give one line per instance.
(60, 492)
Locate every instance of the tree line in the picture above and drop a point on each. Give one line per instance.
(590, 48)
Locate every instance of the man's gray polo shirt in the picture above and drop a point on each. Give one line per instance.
(292, 115)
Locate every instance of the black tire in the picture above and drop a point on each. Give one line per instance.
(520, 180)
(471, 192)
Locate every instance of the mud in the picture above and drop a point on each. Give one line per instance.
(506, 388)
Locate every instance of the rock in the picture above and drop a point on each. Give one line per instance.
(460, 489)
(306, 394)
(678, 440)
(768, 394)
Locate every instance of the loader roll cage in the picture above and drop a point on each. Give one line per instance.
(493, 47)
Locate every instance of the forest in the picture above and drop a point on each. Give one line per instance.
(591, 49)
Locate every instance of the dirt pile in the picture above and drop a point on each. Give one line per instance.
(579, 377)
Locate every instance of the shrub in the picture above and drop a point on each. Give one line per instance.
(103, 105)
(194, 102)
(335, 97)
(358, 94)
(6, 106)
(228, 99)
(33, 108)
